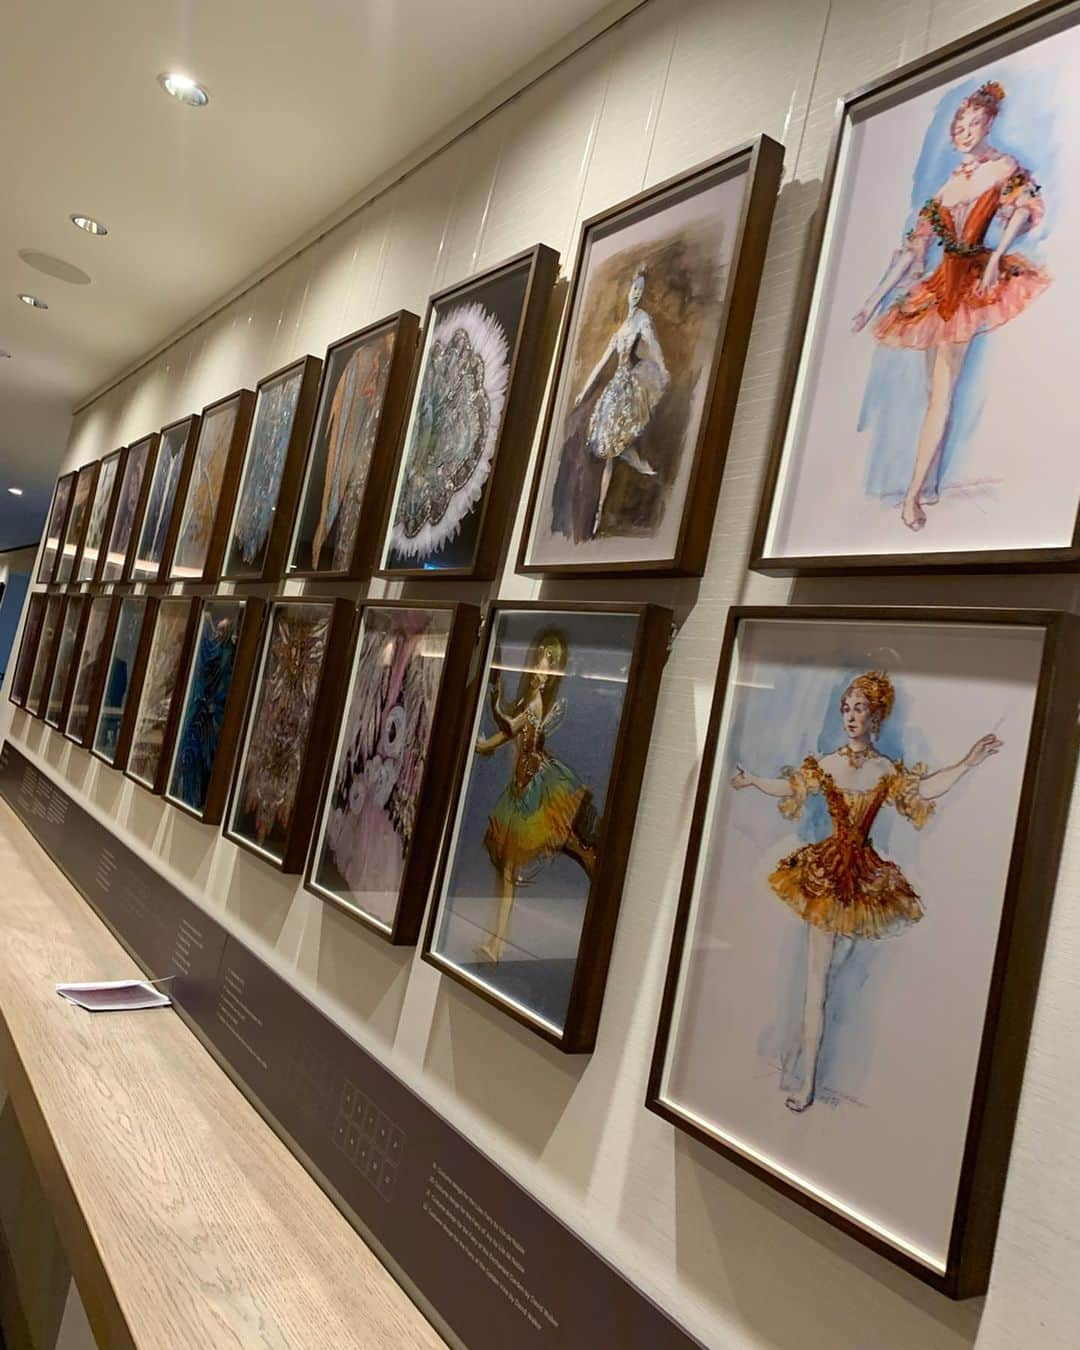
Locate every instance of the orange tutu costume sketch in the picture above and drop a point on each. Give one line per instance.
(842, 885)
(947, 305)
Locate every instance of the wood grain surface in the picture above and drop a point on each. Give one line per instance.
(186, 1221)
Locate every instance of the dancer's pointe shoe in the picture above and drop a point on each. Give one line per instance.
(930, 497)
(596, 521)
(799, 1101)
(488, 952)
(912, 514)
(631, 457)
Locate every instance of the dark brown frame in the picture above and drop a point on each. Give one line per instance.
(151, 441)
(762, 161)
(628, 760)
(76, 651)
(187, 454)
(37, 709)
(432, 798)
(150, 608)
(110, 511)
(524, 388)
(248, 645)
(1040, 827)
(101, 679)
(45, 574)
(223, 510)
(91, 469)
(324, 724)
(292, 474)
(31, 636)
(383, 466)
(135, 692)
(954, 560)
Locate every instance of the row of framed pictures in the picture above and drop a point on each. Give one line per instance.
(344, 763)
(852, 974)
(407, 459)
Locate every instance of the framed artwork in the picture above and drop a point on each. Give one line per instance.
(101, 514)
(648, 370)
(212, 705)
(78, 517)
(41, 677)
(211, 489)
(28, 645)
(168, 486)
(54, 530)
(543, 814)
(938, 284)
(153, 705)
(71, 626)
(470, 425)
(856, 952)
(290, 723)
(94, 646)
(262, 521)
(388, 782)
(353, 444)
(135, 477)
(115, 678)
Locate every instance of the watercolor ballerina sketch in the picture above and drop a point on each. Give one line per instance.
(840, 886)
(943, 286)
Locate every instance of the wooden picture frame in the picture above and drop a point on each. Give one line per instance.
(78, 517)
(403, 329)
(247, 614)
(646, 653)
(428, 808)
(491, 503)
(100, 518)
(95, 678)
(207, 567)
(55, 527)
(993, 42)
(321, 725)
(37, 694)
(697, 474)
(1013, 953)
(269, 561)
(28, 645)
(188, 608)
(65, 662)
(166, 488)
(126, 524)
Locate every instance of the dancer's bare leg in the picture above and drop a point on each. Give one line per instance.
(819, 952)
(945, 368)
(605, 483)
(492, 948)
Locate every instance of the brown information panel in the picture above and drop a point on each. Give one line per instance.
(489, 1259)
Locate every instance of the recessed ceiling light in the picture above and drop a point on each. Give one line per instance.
(15, 492)
(184, 88)
(33, 300)
(89, 224)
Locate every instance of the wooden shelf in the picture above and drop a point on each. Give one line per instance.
(185, 1219)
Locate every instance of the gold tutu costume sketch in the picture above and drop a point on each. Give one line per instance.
(840, 886)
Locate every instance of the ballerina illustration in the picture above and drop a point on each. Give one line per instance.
(840, 887)
(626, 405)
(975, 287)
(545, 809)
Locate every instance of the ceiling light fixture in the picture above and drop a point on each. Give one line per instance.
(15, 492)
(184, 88)
(33, 300)
(89, 224)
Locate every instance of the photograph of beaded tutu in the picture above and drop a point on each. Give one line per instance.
(947, 273)
(828, 994)
(531, 862)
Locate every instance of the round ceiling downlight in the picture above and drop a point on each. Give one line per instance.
(16, 492)
(89, 224)
(184, 88)
(34, 301)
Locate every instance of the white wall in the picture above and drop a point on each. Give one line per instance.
(679, 81)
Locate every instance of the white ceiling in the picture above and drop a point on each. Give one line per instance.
(309, 102)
